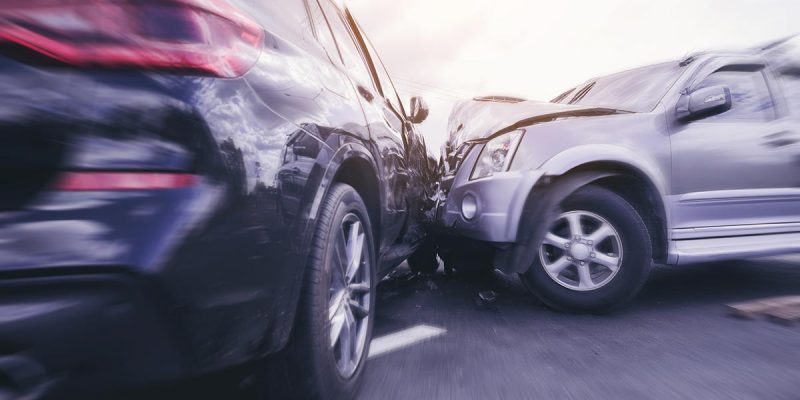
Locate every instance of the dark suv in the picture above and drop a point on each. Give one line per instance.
(189, 185)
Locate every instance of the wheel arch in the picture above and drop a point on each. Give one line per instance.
(627, 180)
(352, 164)
(361, 174)
(631, 169)
(618, 176)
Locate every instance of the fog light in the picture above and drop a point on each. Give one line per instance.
(469, 206)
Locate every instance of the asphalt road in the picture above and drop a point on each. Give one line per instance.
(676, 341)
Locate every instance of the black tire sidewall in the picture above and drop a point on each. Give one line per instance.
(307, 366)
(350, 202)
(633, 271)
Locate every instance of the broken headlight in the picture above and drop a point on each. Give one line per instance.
(497, 154)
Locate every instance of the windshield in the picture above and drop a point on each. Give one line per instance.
(635, 90)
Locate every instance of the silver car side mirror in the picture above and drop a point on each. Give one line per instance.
(703, 103)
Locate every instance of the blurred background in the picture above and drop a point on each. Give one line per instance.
(448, 50)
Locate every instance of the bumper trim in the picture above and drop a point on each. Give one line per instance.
(501, 201)
(80, 329)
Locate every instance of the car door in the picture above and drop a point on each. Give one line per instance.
(384, 123)
(734, 173)
(418, 164)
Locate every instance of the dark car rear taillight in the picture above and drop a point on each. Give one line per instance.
(113, 181)
(208, 37)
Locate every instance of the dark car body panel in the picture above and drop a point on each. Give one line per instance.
(225, 257)
(96, 310)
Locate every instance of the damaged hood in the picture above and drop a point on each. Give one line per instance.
(480, 118)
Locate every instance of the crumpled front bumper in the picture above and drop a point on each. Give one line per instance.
(500, 201)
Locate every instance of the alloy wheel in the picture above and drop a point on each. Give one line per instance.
(582, 251)
(350, 292)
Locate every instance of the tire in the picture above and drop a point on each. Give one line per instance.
(424, 260)
(311, 366)
(591, 276)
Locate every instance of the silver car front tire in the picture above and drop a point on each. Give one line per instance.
(595, 256)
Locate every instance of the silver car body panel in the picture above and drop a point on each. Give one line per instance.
(500, 202)
(474, 120)
(729, 190)
(734, 230)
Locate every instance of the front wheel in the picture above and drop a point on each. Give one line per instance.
(595, 256)
(326, 354)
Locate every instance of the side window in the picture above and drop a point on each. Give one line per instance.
(750, 94)
(384, 80)
(347, 46)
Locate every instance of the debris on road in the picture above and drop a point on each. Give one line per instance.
(784, 309)
(486, 298)
(400, 275)
(431, 284)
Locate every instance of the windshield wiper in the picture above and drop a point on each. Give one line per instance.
(582, 93)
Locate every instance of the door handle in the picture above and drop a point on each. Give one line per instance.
(365, 93)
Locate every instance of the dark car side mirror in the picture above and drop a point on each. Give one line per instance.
(704, 102)
(419, 110)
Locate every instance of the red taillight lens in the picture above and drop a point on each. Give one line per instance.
(208, 37)
(101, 181)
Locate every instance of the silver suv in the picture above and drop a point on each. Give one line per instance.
(675, 163)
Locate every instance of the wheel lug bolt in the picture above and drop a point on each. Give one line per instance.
(589, 242)
(592, 255)
(566, 245)
(582, 263)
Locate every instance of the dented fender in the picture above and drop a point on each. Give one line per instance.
(573, 157)
(540, 211)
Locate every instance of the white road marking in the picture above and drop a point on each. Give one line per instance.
(400, 339)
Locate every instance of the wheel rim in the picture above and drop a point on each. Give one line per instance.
(349, 298)
(582, 251)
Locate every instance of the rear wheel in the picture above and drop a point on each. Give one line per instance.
(326, 354)
(594, 257)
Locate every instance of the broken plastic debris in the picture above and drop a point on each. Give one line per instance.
(487, 297)
(431, 284)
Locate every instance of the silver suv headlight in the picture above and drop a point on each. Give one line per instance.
(497, 154)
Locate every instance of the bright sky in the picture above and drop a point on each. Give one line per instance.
(446, 50)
